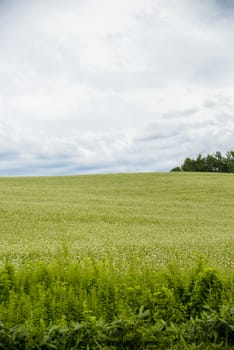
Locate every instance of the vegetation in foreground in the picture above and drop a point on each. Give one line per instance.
(93, 304)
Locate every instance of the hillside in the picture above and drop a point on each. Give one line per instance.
(157, 217)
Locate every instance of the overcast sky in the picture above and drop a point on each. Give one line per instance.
(102, 86)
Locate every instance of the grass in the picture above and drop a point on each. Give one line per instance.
(112, 262)
(92, 304)
(155, 218)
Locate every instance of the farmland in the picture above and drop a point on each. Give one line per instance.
(117, 260)
(156, 218)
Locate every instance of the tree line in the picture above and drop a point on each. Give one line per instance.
(216, 163)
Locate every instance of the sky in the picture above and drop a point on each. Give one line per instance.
(107, 86)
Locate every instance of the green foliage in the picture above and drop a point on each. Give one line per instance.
(6, 276)
(206, 288)
(91, 304)
(211, 163)
(176, 169)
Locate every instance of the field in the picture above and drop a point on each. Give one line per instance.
(154, 217)
(92, 251)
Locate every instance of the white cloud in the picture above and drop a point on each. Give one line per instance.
(106, 86)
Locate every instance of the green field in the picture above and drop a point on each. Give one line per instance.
(154, 217)
(127, 261)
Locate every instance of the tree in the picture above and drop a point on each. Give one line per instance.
(200, 163)
(211, 163)
(176, 169)
(230, 161)
(189, 165)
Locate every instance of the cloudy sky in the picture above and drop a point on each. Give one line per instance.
(102, 86)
